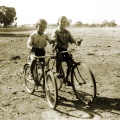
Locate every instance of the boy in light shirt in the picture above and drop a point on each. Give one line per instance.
(37, 42)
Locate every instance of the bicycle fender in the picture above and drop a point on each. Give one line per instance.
(50, 73)
(28, 63)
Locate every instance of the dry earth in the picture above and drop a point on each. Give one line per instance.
(100, 50)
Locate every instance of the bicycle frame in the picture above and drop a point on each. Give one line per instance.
(82, 78)
(43, 73)
(43, 67)
(73, 63)
(48, 84)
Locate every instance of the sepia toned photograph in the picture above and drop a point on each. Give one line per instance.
(59, 60)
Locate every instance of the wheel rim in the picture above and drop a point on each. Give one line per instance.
(84, 83)
(52, 67)
(30, 84)
(51, 91)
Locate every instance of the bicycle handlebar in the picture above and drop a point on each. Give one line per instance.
(44, 56)
(67, 51)
(53, 55)
(54, 47)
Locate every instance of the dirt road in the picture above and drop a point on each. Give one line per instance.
(100, 50)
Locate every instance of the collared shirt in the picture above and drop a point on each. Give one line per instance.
(63, 38)
(38, 41)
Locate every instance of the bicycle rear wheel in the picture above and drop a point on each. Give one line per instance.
(51, 90)
(84, 84)
(29, 84)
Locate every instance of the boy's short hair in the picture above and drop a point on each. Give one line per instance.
(62, 17)
(41, 21)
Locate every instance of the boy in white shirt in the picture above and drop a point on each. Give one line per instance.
(37, 42)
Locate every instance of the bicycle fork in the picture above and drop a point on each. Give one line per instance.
(80, 83)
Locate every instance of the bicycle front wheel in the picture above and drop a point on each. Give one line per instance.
(29, 84)
(52, 67)
(51, 90)
(84, 84)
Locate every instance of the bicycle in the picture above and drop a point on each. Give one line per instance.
(82, 78)
(42, 77)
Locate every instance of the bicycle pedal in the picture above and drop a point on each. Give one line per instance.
(67, 83)
(37, 83)
(59, 76)
(47, 70)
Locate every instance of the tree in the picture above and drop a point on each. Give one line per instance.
(7, 15)
(70, 22)
(113, 23)
(109, 24)
(93, 25)
(78, 24)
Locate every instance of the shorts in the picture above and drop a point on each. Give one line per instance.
(63, 56)
(40, 52)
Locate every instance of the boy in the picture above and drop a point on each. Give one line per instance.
(37, 42)
(63, 38)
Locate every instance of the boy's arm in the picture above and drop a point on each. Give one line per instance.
(53, 40)
(72, 40)
(49, 40)
(54, 36)
(29, 42)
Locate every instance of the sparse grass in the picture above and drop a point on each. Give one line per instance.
(95, 50)
(13, 35)
(18, 29)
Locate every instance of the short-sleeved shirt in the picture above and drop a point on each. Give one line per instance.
(63, 38)
(38, 41)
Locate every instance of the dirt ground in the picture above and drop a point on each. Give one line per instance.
(100, 49)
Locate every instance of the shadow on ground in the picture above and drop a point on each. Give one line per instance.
(100, 105)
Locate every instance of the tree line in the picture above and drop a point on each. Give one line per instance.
(78, 24)
(8, 19)
(105, 23)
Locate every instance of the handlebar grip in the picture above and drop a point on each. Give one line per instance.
(79, 42)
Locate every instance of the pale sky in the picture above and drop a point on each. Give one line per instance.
(86, 11)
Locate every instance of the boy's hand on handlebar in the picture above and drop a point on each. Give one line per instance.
(54, 47)
(33, 49)
(52, 42)
(79, 42)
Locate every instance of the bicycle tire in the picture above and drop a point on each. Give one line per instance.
(29, 84)
(52, 67)
(51, 90)
(84, 84)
